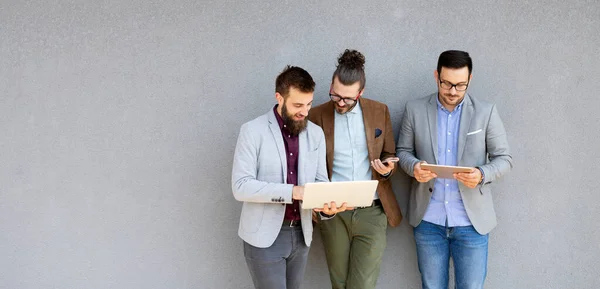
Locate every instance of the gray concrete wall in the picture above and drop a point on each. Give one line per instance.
(119, 120)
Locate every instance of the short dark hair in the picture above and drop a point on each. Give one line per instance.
(350, 68)
(296, 77)
(454, 59)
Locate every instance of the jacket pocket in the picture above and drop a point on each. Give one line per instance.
(252, 216)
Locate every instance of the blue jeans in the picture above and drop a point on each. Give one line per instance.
(435, 245)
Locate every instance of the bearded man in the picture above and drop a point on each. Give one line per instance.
(276, 154)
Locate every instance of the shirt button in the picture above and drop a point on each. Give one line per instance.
(291, 173)
(448, 150)
(446, 202)
(289, 136)
(449, 133)
(291, 154)
(447, 185)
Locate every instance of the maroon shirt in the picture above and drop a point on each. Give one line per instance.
(292, 144)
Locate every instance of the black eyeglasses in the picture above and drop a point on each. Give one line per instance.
(347, 100)
(459, 87)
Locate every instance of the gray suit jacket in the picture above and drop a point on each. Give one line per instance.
(259, 177)
(481, 143)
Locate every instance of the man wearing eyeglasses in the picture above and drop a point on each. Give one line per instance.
(358, 132)
(276, 154)
(452, 217)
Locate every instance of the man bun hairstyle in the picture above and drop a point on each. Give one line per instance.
(350, 68)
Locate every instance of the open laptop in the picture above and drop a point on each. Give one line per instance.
(355, 193)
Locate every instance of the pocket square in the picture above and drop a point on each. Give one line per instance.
(474, 132)
(377, 132)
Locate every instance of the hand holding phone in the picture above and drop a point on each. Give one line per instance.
(384, 167)
(390, 160)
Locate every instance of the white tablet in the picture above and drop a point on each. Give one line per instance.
(355, 194)
(445, 172)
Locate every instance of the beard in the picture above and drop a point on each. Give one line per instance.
(345, 109)
(450, 99)
(294, 126)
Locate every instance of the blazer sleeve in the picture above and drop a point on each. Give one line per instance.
(245, 186)
(405, 148)
(500, 160)
(389, 145)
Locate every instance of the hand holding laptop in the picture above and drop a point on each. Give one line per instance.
(326, 196)
(332, 208)
(328, 208)
(298, 193)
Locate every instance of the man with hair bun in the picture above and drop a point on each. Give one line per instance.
(360, 146)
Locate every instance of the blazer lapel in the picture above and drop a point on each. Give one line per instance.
(328, 129)
(432, 119)
(303, 148)
(369, 127)
(465, 124)
(276, 131)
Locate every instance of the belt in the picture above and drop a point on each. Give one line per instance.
(375, 203)
(291, 223)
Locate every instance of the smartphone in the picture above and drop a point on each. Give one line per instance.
(390, 160)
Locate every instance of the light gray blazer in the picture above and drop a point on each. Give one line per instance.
(259, 177)
(481, 143)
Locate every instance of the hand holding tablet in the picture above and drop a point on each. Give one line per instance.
(446, 172)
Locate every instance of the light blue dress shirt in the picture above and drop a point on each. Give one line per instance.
(446, 204)
(350, 155)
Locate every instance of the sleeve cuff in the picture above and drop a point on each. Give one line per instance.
(482, 176)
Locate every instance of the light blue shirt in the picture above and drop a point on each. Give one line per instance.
(446, 204)
(350, 155)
